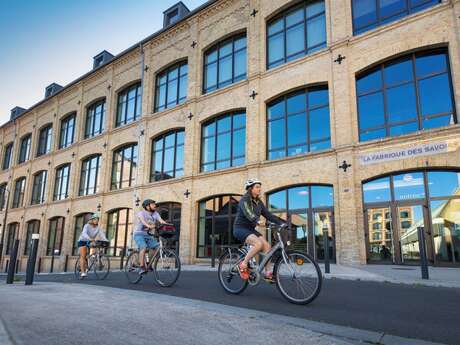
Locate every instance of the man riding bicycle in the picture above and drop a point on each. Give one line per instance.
(250, 208)
(145, 221)
(90, 232)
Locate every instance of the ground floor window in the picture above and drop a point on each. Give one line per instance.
(171, 213)
(401, 207)
(55, 235)
(119, 231)
(215, 223)
(80, 221)
(33, 227)
(310, 211)
(10, 237)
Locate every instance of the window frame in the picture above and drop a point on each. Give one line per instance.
(59, 185)
(68, 123)
(307, 51)
(380, 67)
(162, 137)
(59, 227)
(123, 121)
(84, 187)
(19, 193)
(39, 181)
(24, 148)
(7, 156)
(91, 114)
(35, 223)
(215, 119)
(216, 47)
(45, 140)
(165, 72)
(12, 234)
(3, 195)
(118, 185)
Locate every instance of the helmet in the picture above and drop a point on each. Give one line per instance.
(251, 182)
(94, 216)
(147, 202)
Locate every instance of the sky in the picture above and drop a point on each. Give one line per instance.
(46, 41)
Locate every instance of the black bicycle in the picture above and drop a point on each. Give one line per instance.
(164, 262)
(296, 274)
(96, 261)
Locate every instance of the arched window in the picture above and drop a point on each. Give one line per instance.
(13, 231)
(171, 86)
(225, 63)
(299, 122)
(3, 195)
(19, 191)
(33, 227)
(171, 213)
(61, 182)
(89, 177)
(55, 236)
(7, 156)
(129, 105)
(95, 119)
(167, 156)
(409, 205)
(124, 167)
(310, 210)
(296, 32)
(368, 15)
(119, 231)
(24, 148)
(215, 220)
(223, 141)
(80, 221)
(405, 95)
(45, 138)
(67, 134)
(39, 188)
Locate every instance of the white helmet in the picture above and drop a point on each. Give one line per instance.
(251, 182)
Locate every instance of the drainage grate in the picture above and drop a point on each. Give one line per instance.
(403, 269)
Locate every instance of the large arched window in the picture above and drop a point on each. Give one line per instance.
(61, 182)
(33, 227)
(309, 209)
(95, 119)
(223, 141)
(55, 236)
(89, 177)
(400, 206)
(3, 195)
(167, 156)
(24, 148)
(171, 86)
(215, 220)
(368, 15)
(12, 233)
(124, 167)
(298, 123)
(80, 221)
(67, 133)
(129, 105)
(405, 95)
(296, 32)
(225, 63)
(39, 188)
(45, 139)
(7, 156)
(119, 231)
(19, 191)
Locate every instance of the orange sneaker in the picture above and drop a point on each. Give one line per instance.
(244, 273)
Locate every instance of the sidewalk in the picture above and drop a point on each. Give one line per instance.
(57, 313)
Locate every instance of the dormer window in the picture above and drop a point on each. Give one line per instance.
(173, 17)
(174, 14)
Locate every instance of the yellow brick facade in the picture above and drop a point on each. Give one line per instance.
(436, 26)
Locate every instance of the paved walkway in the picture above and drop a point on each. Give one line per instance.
(73, 314)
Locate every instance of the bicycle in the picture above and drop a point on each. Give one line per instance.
(296, 274)
(96, 262)
(164, 263)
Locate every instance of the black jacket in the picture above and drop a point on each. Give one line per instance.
(250, 210)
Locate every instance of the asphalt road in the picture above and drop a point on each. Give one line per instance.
(420, 312)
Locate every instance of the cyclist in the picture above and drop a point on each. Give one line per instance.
(145, 221)
(250, 208)
(88, 235)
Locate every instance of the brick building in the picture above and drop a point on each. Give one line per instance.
(346, 110)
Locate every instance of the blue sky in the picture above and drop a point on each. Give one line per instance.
(45, 41)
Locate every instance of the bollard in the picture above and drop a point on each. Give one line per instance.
(31, 260)
(327, 266)
(17, 266)
(39, 268)
(423, 258)
(66, 262)
(122, 258)
(213, 251)
(12, 264)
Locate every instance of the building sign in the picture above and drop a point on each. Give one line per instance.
(404, 153)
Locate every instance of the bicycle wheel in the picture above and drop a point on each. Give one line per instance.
(132, 266)
(101, 266)
(229, 276)
(77, 269)
(166, 267)
(299, 279)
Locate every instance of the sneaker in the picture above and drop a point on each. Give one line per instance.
(142, 271)
(83, 275)
(244, 273)
(269, 278)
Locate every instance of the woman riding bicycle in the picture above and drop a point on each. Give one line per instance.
(250, 208)
(145, 221)
(90, 232)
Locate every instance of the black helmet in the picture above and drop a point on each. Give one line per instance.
(147, 202)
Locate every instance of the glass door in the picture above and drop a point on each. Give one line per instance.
(323, 223)
(380, 247)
